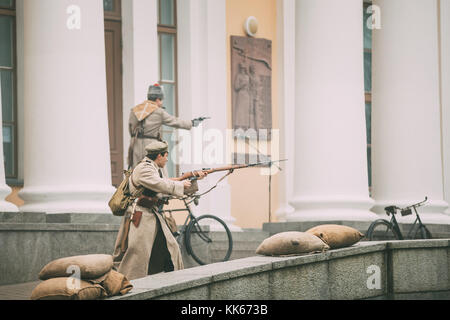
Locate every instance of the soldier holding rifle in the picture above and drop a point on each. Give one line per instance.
(145, 245)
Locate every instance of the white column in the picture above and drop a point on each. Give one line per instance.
(5, 190)
(286, 85)
(330, 139)
(445, 94)
(202, 92)
(67, 163)
(406, 137)
(140, 56)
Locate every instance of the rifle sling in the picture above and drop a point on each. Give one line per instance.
(228, 173)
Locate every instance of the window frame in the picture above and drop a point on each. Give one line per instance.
(368, 99)
(171, 30)
(12, 179)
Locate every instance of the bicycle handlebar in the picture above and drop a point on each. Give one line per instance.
(189, 198)
(393, 209)
(418, 204)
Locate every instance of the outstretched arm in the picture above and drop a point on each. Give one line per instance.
(175, 122)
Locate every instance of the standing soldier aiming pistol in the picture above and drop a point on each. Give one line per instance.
(146, 121)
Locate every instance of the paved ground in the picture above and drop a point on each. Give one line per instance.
(20, 291)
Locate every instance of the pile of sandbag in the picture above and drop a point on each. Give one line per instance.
(85, 277)
(317, 239)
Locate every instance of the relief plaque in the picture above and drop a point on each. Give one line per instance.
(251, 86)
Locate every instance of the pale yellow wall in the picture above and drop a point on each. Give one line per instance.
(14, 196)
(249, 189)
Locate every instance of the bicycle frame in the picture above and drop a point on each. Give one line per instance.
(417, 220)
(395, 225)
(190, 217)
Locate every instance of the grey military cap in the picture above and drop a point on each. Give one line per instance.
(156, 147)
(156, 92)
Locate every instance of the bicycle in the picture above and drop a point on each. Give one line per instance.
(381, 229)
(204, 246)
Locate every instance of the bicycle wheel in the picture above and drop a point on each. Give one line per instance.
(382, 230)
(208, 240)
(422, 233)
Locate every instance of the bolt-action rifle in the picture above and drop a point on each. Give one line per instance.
(193, 175)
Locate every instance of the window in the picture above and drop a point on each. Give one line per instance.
(167, 40)
(112, 9)
(8, 85)
(368, 86)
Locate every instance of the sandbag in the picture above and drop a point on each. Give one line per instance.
(64, 288)
(291, 243)
(336, 236)
(91, 266)
(114, 283)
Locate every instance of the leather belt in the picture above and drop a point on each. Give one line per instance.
(143, 136)
(150, 202)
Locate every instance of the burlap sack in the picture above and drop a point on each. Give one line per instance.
(65, 288)
(91, 266)
(336, 236)
(291, 243)
(114, 283)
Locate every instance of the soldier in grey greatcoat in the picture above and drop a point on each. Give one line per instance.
(145, 124)
(145, 245)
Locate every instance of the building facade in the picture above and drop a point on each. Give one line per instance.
(359, 103)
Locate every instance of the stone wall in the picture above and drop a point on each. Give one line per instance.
(28, 241)
(27, 247)
(409, 269)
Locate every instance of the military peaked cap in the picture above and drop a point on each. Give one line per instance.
(156, 147)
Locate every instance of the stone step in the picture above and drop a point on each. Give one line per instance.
(21, 291)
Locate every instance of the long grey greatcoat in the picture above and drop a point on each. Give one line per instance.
(134, 262)
(152, 127)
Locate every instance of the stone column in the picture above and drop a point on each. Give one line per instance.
(445, 94)
(406, 135)
(202, 77)
(67, 162)
(5, 190)
(330, 139)
(286, 84)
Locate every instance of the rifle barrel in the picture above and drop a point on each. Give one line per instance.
(225, 168)
(239, 166)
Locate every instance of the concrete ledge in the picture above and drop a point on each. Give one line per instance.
(22, 217)
(41, 217)
(417, 269)
(437, 230)
(57, 227)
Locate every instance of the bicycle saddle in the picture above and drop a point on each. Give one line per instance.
(390, 209)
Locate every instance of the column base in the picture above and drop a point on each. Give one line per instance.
(332, 209)
(432, 212)
(283, 211)
(79, 199)
(332, 215)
